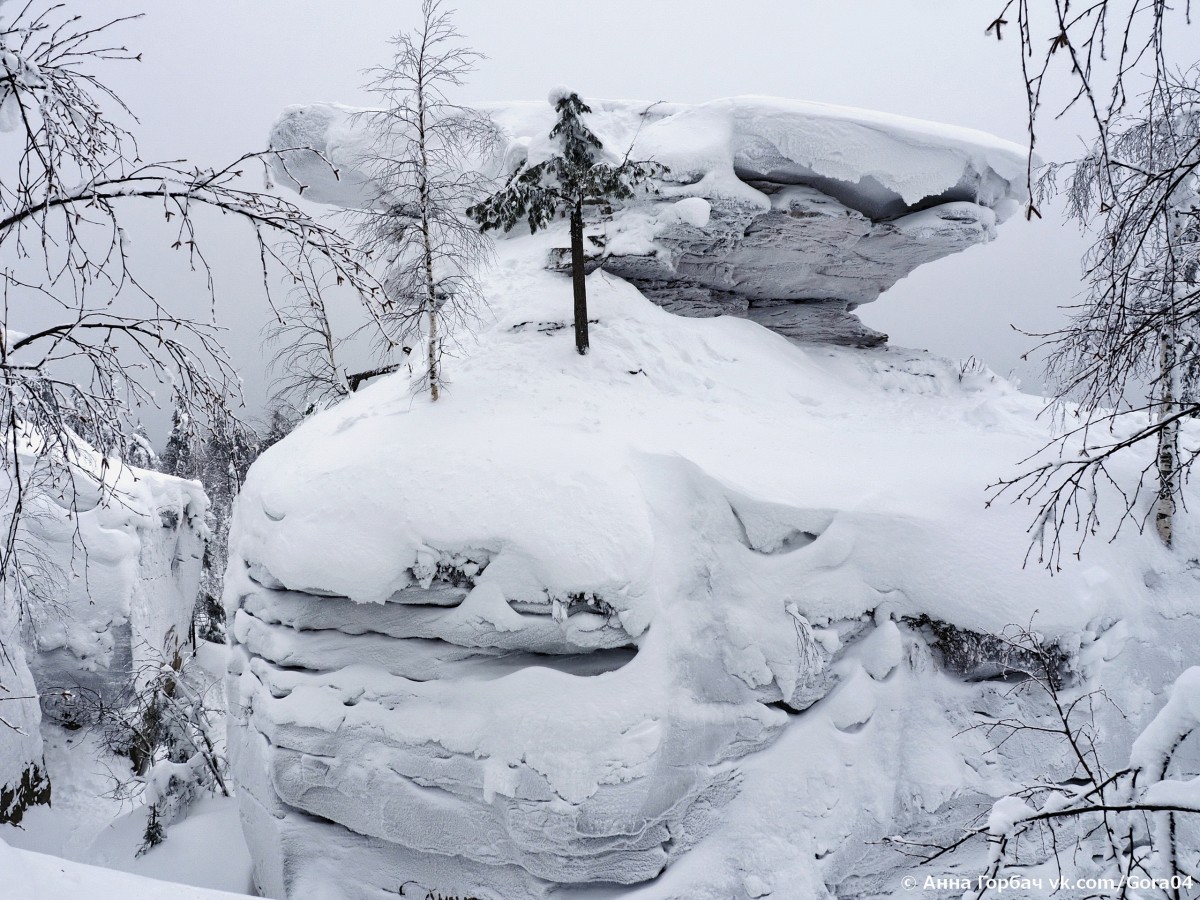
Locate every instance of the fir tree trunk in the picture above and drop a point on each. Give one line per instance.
(1168, 440)
(577, 274)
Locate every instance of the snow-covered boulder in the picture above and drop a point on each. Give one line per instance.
(788, 213)
(699, 612)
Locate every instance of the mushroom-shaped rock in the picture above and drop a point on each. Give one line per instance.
(789, 213)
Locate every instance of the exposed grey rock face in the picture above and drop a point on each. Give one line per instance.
(23, 782)
(31, 789)
(799, 268)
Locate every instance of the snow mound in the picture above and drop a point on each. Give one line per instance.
(125, 563)
(546, 466)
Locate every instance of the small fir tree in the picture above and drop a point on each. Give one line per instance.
(565, 185)
(183, 451)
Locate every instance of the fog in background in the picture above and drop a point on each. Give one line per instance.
(215, 74)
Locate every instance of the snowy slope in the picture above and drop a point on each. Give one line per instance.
(884, 455)
(35, 876)
(656, 607)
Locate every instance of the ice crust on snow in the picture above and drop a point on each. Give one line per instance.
(786, 212)
(590, 619)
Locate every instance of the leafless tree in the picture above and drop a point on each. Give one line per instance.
(307, 374)
(1124, 368)
(419, 159)
(168, 729)
(1093, 823)
(1102, 45)
(67, 354)
(308, 361)
(306, 349)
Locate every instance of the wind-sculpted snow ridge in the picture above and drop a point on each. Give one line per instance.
(679, 618)
(785, 212)
(113, 554)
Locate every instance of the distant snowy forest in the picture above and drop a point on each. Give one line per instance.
(590, 544)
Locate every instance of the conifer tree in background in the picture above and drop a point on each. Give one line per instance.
(564, 185)
(281, 421)
(179, 456)
(219, 460)
(141, 449)
(228, 453)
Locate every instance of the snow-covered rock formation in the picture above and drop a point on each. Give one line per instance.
(113, 562)
(23, 781)
(698, 615)
(791, 214)
(124, 557)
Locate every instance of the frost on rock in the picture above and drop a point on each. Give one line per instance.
(789, 213)
(703, 612)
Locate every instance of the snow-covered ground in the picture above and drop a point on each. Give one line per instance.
(38, 876)
(115, 553)
(85, 828)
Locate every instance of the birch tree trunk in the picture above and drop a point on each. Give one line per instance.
(431, 310)
(1167, 461)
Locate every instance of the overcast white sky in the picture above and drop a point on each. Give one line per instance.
(215, 73)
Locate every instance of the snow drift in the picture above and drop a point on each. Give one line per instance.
(789, 213)
(36, 875)
(126, 552)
